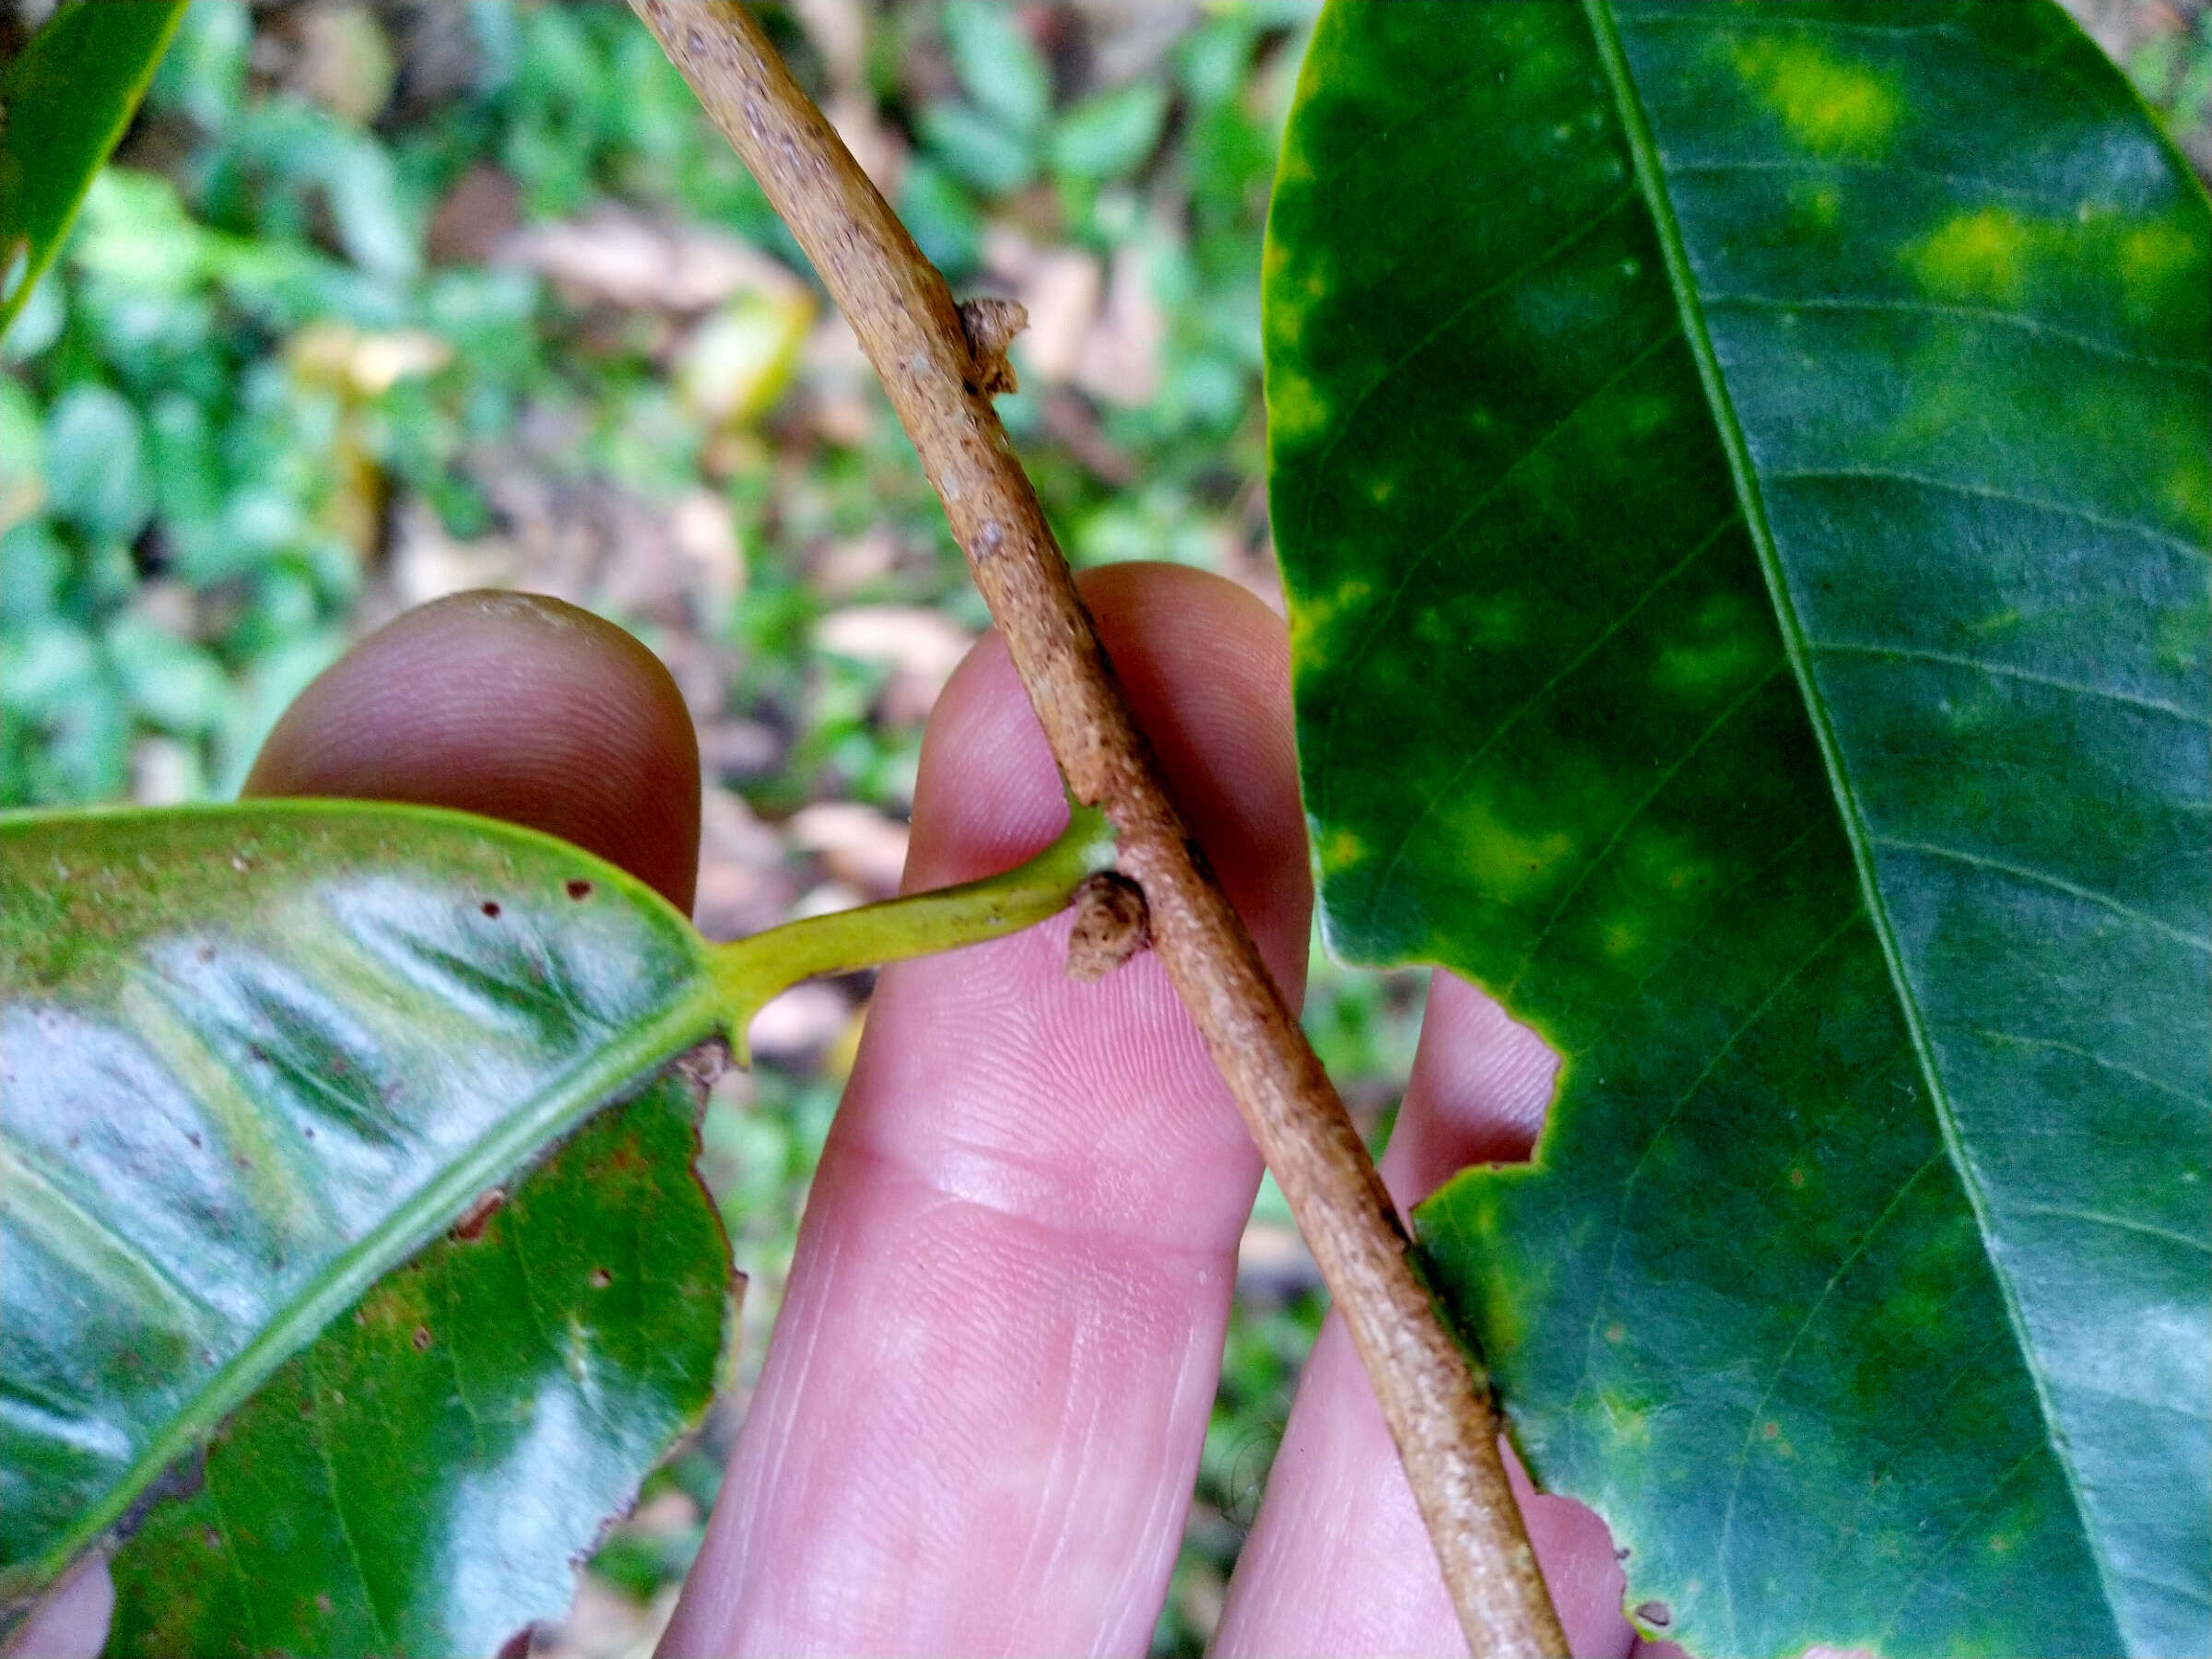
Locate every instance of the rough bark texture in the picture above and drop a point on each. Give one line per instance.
(1110, 926)
(904, 315)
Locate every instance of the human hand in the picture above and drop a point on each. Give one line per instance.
(981, 1414)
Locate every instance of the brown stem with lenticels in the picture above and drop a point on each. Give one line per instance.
(941, 364)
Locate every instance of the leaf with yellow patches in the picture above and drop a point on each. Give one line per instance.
(1779, 671)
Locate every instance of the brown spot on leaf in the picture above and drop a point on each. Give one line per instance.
(702, 1063)
(579, 888)
(600, 1279)
(470, 1226)
(421, 1338)
(1655, 1613)
(490, 907)
(181, 1480)
(323, 1603)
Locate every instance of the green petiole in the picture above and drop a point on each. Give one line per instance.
(747, 973)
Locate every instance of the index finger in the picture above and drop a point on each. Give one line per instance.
(981, 1414)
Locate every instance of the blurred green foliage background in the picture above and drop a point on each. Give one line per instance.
(381, 300)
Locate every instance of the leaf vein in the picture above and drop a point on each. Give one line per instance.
(1673, 1111)
(238, 1570)
(1914, 653)
(1976, 314)
(1658, 788)
(1429, 807)
(1781, 1366)
(1965, 183)
(1950, 1542)
(1705, 17)
(1751, 487)
(317, 1425)
(452, 1348)
(2122, 1223)
(2094, 1059)
(1414, 565)
(1989, 492)
(1981, 860)
(35, 1195)
(1457, 314)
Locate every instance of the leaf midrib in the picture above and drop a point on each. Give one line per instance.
(598, 1081)
(1644, 152)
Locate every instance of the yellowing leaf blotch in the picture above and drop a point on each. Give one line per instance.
(1295, 407)
(1830, 106)
(1977, 256)
(1506, 862)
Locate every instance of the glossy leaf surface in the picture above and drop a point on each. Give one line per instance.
(69, 95)
(422, 1477)
(257, 1058)
(1741, 475)
(252, 1059)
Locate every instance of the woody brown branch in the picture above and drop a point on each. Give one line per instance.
(906, 320)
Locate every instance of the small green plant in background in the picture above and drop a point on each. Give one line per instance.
(2172, 68)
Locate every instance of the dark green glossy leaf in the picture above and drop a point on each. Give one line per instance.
(422, 1477)
(1741, 473)
(254, 1058)
(68, 97)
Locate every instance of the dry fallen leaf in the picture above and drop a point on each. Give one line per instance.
(858, 844)
(616, 257)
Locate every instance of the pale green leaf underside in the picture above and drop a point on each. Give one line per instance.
(1741, 476)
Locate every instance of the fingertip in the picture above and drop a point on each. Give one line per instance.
(1482, 1083)
(72, 1620)
(992, 1372)
(1206, 669)
(514, 705)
